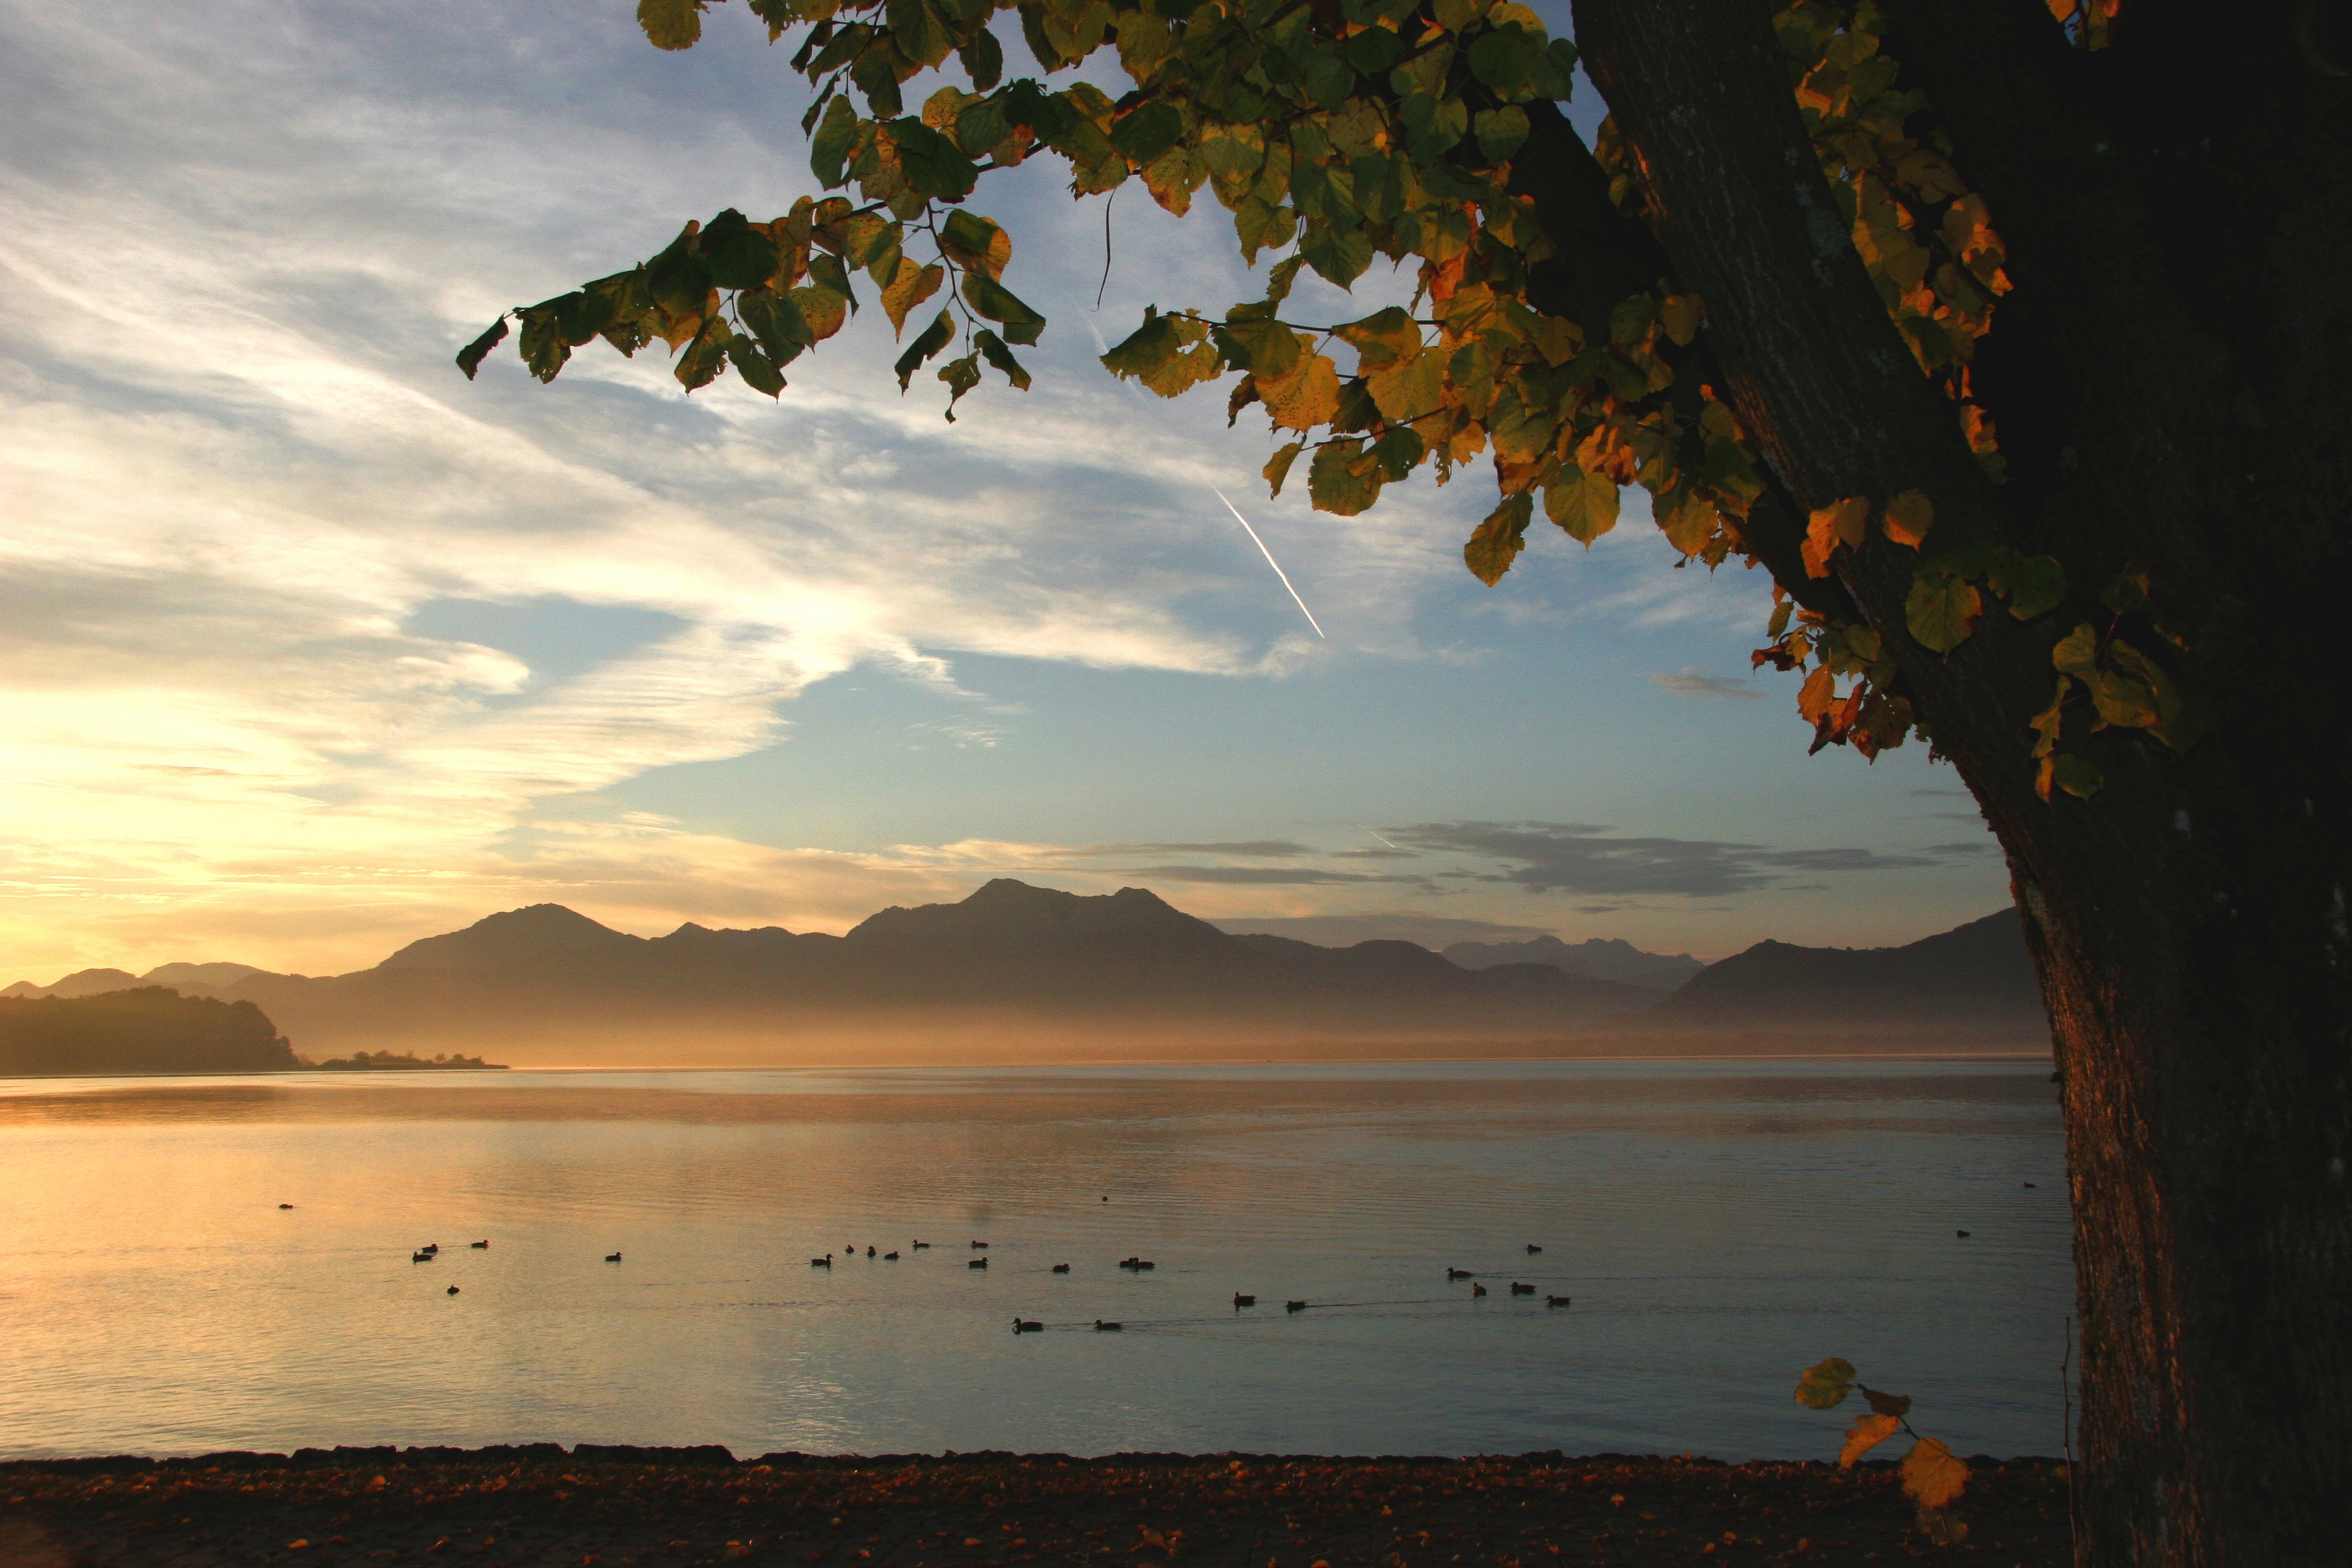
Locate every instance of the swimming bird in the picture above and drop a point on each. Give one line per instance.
(1477, 1291)
(452, 1290)
(612, 1258)
(479, 1245)
(1962, 1234)
(977, 1263)
(291, 1205)
(434, 1250)
(889, 1257)
(1241, 1301)
(1134, 1263)
(1519, 1290)
(1101, 1327)
(1556, 1301)
(1061, 1268)
(1533, 1248)
(824, 1262)
(920, 1245)
(869, 1252)
(420, 1258)
(1293, 1306)
(1459, 1274)
(1019, 1327)
(979, 1245)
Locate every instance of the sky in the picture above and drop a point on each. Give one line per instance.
(313, 647)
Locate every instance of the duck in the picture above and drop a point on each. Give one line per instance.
(1556, 1301)
(432, 1250)
(889, 1257)
(1961, 1234)
(869, 1252)
(979, 1246)
(291, 1205)
(1061, 1268)
(1241, 1301)
(1022, 1327)
(1519, 1290)
(1533, 1248)
(479, 1245)
(824, 1262)
(1101, 1327)
(977, 1263)
(612, 1258)
(1452, 1274)
(1293, 1306)
(1477, 1291)
(420, 1258)
(452, 1290)
(921, 1245)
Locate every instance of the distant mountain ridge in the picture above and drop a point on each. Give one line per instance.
(1602, 958)
(144, 1030)
(1979, 973)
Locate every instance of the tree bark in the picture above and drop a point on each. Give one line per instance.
(2185, 288)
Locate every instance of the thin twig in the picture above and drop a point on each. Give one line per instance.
(1106, 277)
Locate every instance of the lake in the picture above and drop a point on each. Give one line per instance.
(1720, 1226)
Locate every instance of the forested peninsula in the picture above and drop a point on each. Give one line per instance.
(152, 1028)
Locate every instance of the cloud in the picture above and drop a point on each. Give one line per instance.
(1691, 683)
(1574, 857)
(1257, 875)
(1264, 848)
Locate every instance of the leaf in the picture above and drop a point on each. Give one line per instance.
(998, 303)
(1681, 315)
(1943, 608)
(1825, 1386)
(961, 375)
(1829, 527)
(1336, 485)
(831, 143)
(1866, 1433)
(2071, 773)
(977, 242)
(1147, 132)
(1932, 1474)
(982, 59)
(2077, 654)
(935, 337)
(776, 320)
(1894, 1404)
(934, 165)
(1308, 396)
(2036, 585)
(1500, 132)
(910, 287)
(991, 349)
(1584, 504)
(1498, 539)
(758, 371)
(1909, 516)
(1814, 700)
(1939, 1526)
(470, 357)
(671, 24)
(1339, 254)
(1278, 468)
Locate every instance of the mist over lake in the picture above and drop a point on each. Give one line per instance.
(1719, 1226)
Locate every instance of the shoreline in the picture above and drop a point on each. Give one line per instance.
(611, 1506)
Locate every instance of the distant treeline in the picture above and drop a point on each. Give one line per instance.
(150, 1029)
(387, 1061)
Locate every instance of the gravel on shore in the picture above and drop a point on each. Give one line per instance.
(594, 1507)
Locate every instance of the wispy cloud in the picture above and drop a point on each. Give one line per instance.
(1692, 683)
(1576, 858)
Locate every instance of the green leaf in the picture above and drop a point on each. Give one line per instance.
(677, 279)
(470, 357)
(1585, 504)
(934, 165)
(1264, 348)
(982, 61)
(1262, 226)
(991, 349)
(2077, 654)
(1147, 132)
(934, 338)
(671, 24)
(1825, 1386)
(1278, 468)
(1506, 60)
(1328, 78)
(758, 371)
(831, 145)
(1942, 609)
(1500, 132)
(1500, 539)
(738, 256)
(1339, 254)
(2064, 770)
(998, 303)
(961, 375)
(1338, 483)
(544, 348)
(975, 242)
(776, 322)
(1399, 451)
(2035, 585)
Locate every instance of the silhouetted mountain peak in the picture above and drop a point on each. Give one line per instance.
(1600, 957)
(80, 983)
(510, 937)
(1009, 911)
(1978, 970)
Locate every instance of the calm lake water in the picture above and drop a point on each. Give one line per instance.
(1720, 1227)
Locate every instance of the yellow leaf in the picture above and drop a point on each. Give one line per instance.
(1814, 700)
(1866, 1433)
(1909, 516)
(1681, 314)
(912, 285)
(1829, 527)
(1932, 1474)
(1308, 396)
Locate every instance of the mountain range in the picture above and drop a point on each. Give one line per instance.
(1040, 973)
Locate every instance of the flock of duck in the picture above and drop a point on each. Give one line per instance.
(1134, 1265)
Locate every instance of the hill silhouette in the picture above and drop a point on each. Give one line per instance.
(1600, 957)
(1979, 973)
(145, 1029)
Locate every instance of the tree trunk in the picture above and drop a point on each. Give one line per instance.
(2178, 400)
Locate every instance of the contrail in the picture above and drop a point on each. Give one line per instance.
(1376, 833)
(1271, 561)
